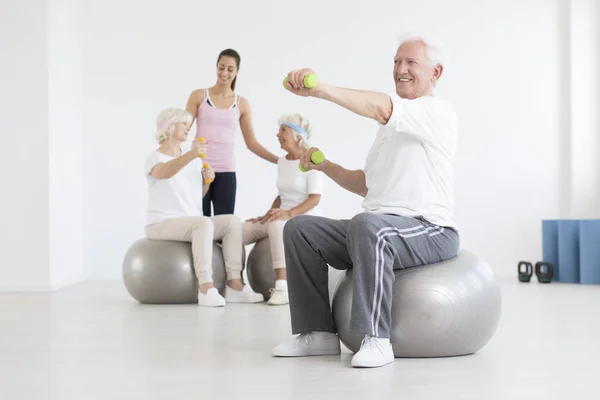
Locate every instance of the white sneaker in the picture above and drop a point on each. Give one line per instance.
(212, 298)
(374, 352)
(246, 295)
(309, 344)
(278, 297)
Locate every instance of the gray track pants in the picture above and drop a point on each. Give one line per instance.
(373, 245)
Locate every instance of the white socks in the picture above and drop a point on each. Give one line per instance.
(281, 284)
(279, 294)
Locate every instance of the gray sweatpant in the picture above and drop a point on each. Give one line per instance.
(373, 245)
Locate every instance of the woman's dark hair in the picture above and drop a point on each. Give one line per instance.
(234, 54)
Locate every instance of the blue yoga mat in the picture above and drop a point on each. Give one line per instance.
(550, 245)
(568, 251)
(573, 246)
(589, 251)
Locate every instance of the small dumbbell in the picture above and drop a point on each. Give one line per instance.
(317, 157)
(310, 81)
(201, 139)
(544, 275)
(206, 180)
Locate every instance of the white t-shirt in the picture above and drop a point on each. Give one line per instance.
(410, 167)
(178, 196)
(294, 186)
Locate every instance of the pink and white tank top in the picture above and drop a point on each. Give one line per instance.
(219, 127)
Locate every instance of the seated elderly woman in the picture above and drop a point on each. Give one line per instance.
(298, 193)
(177, 182)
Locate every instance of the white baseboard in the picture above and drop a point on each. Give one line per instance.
(66, 282)
(18, 288)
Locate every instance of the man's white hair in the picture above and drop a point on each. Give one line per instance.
(298, 120)
(166, 120)
(434, 48)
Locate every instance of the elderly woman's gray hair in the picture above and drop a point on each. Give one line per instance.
(166, 120)
(300, 126)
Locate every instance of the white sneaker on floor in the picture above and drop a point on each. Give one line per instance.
(212, 298)
(374, 352)
(246, 295)
(278, 297)
(310, 344)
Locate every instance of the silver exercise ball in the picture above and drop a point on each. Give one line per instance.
(445, 309)
(261, 275)
(162, 272)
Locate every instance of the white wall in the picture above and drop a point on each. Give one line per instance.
(65, 72)
(24, 165)
(504, 80)
(522, 78)
(504, 83)
(584, 57)
(41, 100)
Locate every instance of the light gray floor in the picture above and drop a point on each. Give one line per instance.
(92, 341)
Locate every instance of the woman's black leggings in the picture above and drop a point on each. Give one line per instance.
(221, 194)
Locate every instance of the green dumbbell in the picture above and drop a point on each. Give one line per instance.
(310, 81)
(317, 157)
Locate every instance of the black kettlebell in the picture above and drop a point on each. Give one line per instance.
(525, 275)
(544, 275)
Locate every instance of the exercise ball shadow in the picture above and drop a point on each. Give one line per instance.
(261, 275)
(445, 309)
(162, 272)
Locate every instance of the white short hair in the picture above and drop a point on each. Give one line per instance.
(298, 120)
(166, 120)
(434, 48)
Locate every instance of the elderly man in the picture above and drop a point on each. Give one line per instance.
(407, 185)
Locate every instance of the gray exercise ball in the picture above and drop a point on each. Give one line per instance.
(161, 271)
(261, 275)
(445, 309)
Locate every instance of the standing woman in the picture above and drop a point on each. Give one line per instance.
(218, 112)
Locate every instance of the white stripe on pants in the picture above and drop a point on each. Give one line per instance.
(380, 263)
